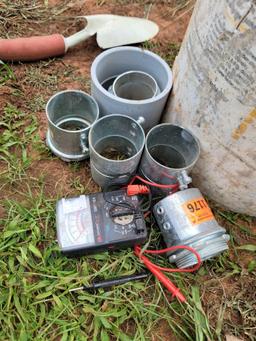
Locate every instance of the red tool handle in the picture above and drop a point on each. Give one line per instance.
(32, 48)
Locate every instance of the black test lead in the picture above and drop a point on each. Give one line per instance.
(111, 282)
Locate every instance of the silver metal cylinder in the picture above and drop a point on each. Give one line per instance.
(70, 115)
(186, 219)
(135, 85)
(169, 151)
(116, 143)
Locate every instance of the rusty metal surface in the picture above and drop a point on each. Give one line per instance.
(214, 95)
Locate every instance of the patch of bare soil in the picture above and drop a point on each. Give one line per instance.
(59, 179)
(230, 304)
(163, 332)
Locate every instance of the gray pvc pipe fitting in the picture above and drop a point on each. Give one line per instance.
(116, 143)
(170, 151)
(70, 115)
(116, 61)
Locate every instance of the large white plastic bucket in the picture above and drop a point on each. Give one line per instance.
(214, 95)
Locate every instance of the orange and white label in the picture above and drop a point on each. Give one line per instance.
(197, 211)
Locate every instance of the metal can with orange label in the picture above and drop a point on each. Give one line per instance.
(186, 219)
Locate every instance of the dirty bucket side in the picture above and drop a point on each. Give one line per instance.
(214, 96)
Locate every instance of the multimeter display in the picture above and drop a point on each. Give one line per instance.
(99, 222)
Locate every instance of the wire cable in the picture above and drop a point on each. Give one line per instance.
(174, 186)
(174, 248)
(157, 270)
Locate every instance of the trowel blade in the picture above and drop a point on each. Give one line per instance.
(124, 31)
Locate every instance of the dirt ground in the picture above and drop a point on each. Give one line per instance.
(227, 289)
(73, 70)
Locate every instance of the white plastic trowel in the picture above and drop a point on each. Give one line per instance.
(110, 30)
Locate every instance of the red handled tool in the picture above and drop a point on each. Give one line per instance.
(110, 30)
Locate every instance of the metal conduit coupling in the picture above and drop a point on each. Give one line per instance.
(116, 143)
(185, 218)
(135, 85)
(170, 153)
(70, 115)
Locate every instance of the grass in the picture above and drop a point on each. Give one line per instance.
(6, 73)
(38, 79)
(35, 277)
(34, 13)
(168, 51)
(16, 135)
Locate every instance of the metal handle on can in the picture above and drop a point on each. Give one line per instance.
(184, 180)
(141, 120)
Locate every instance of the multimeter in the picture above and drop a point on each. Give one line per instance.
(99, 222)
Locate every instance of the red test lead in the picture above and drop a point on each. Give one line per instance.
(157, 270)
